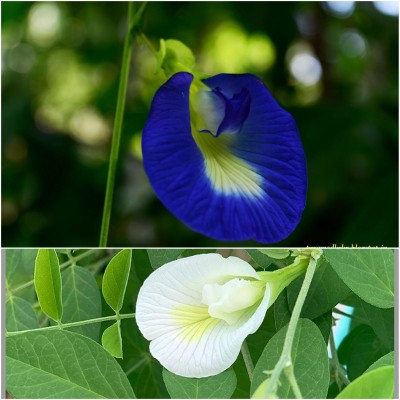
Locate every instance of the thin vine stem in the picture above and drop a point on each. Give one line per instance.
(340, 374)
(74, 260)
(72, 324)
(116, 139)
(285, 361)
(248, 362)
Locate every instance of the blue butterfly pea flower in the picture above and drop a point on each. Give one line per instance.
(225, 158)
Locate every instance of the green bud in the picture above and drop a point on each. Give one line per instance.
(313, 253)
(174, 57)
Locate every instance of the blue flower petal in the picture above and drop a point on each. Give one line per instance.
(236, 111)
(232, 187)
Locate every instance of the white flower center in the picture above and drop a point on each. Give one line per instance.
(232, 299)
(209, 111)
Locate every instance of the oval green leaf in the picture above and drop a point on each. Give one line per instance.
(310, 362)
(47, 280)
(376, 384)
(20, 315)
(369, 273)
(219, 386)
(112, 341)
(81, 300)
(116, 278)
(61, 364)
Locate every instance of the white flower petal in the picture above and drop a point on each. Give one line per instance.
(184, 337)
(212, 351)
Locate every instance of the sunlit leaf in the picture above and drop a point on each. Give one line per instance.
(115, 279)
(375, 384)
(48, 283)
(112, 341)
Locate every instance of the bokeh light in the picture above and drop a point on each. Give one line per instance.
(387, 7)
(21, 58)
(306, 68)
(305, 72)
(352, 43)
(229, 48)
(44, 23)
(342, 9)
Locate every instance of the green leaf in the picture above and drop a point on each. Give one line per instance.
(112, 341)
(219, 386)
(143, 371)
(48, 283)
(81, 300)
(310, 361)
(159, 257)
(386, 360)
(282, 312)
(376, 384)
(382, 322)
(142, 264)
(326, 291)
(369, 273)
(261, 259)
(324, 324)
(277, 254)
(360, 348)
(61, 364)
(282, 315)
(20, 315)
(115, 279)
(20, 265)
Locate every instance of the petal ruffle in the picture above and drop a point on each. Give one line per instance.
(250, 185)
(184, 338)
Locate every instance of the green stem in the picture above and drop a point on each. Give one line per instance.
(248, 362)
(72, 324)
(285, 360)
(289, 372)
(63, 265)
(119, 113)
(340, 374)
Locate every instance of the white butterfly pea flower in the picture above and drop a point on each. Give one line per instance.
(197, 311)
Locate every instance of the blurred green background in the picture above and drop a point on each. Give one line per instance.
(333, 65)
